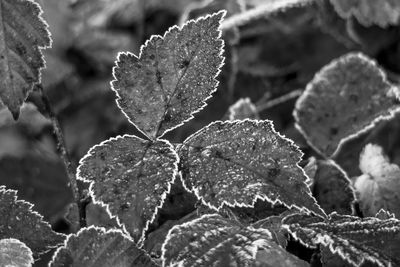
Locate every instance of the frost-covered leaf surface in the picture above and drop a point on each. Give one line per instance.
(15, 253)
(243, 109)
(131, 176)
(23, 33)
(332, 188)
(345, 98)
(235, 162)
(19, 221)
(370, 12)
(172, 77)
(214, 241)
(353, 238)
(96, 247)
(379, 185)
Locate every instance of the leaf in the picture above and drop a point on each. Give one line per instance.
(214, 241)
(23, 33)
(15, 253)
(172, 77)
(354, 239)
(332, 188)
(205, 7)
(383, 13)
(379, 185)
(131, 177)
(345, 98)
(243, 109)
(96, 247)
(19, 221)
(236, 162)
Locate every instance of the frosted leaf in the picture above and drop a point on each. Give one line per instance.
(332, 188)
(131, 177)
(96, 247)
(172, 77)
(384, 215)
(236, 162)
(243, 109)
(23, 32)
(379, 185)
(214, 241)
(197, 9)
(15, 253)
(19, 221)
(354, 239)
(346, 97)
(383, 13)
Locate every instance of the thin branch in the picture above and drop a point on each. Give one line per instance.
(261, 11)
(80, 200)
(279, 100)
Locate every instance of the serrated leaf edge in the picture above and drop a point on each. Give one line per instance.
(106, 206)
(306, 92)
(3, 189)
(24, 246)
(195, 221)
(46, 27)
(102, 230)
(179, 28)
(291, 143)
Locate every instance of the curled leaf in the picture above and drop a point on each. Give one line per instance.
(19, 221)
(379, 185)
(96, 247)
(23, 33)
(370, 12)
(332, 188)
(236, 162)
(214, 241)
(345, 98)
(131, 177)
(15, 253)
(172, 77)
(354, 239)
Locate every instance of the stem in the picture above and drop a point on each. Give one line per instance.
(279, 100)
(63, 153)
(261, 11)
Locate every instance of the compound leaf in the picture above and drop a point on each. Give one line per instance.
(379, 185)
(236, 162)
(131, 177)
(23, 32)
(214, 241)
(96, 247)
(172, 77)
(383, 13)
(345, 98)
(354, 239)
(332, 188)
(19, 221)
(15, 253)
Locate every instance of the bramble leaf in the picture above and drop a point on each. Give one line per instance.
(379, 185)
(23, 32)
(332, 188)
(96, 247)
(15, 253)
(214, 241)
(346, 97)
(19, 221)
(383, 13)
(172, 77)
(354, 239)
(236, 162)
(243, 109)
(131, 177)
